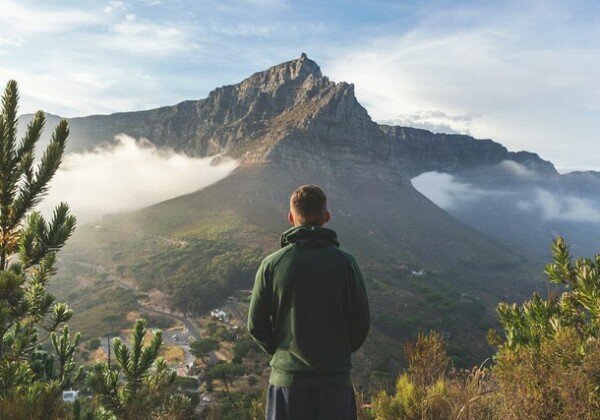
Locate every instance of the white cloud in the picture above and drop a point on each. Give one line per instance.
(445, 191)
(517, 169)
(450, 194)
(11, 41)
(92, 80)
(148, 38)
(128, 176)
(21, 19)
(115, 6)
(555, 206)
(76, 93)
(435, 121)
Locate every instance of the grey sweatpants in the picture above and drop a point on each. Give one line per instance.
(323, 403)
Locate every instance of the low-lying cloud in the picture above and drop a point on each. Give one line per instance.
(561, 208)
(449, 193)
(434, 121)
(127, 176)
(445, 191)
(517, 169)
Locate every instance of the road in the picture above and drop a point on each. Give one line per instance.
(190, 328)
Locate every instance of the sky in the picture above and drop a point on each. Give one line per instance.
(523, 73)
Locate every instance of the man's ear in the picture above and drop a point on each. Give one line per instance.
(327, 217)
(291, 219)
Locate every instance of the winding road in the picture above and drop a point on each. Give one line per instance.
(191, 328)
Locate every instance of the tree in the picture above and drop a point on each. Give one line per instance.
(202, 348)
(29, 314)
(554, 338)
(147, 389)
(577, 307)
(226, 372)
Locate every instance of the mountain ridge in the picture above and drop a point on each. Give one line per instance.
(292, 107)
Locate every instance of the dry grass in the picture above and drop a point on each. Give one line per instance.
(99, 355)
(173, 354)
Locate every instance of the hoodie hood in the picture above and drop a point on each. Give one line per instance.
(309, 236)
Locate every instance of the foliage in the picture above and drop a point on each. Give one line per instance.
(226, 372)
(31, 379)
(242, 406)
(578, 307)
(428, 390)
(547, 364)
(427, 359)
(147, 390)
(243, 346)
(555, 338)
(550, 380)
(202, 348)
(420, 392)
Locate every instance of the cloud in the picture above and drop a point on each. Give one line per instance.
(445, 191)
(11, 41)
(451, 194)
(21, 19)
(435, 121)
(128, 176)
(555, 206)
(115, 6)
(517, 169)
(89, 91)
(148, 38)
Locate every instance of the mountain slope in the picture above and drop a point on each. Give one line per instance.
(185, 245)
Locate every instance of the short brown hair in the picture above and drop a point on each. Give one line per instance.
(308, 203)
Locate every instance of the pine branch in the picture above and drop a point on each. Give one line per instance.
(32, 135)
(32, 192)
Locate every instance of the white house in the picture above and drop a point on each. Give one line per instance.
(219, 314)
(70, 395)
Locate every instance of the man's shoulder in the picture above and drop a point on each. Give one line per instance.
(347, 256)
(276, 256)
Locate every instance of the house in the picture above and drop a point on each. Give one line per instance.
(219, 314)
(70, 395)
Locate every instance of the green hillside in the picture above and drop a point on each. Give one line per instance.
(424, 269)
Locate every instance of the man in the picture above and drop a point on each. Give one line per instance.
(309, 311)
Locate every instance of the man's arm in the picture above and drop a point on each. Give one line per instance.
(360, 313)
(260, 324)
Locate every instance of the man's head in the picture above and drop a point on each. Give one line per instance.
(308, 206)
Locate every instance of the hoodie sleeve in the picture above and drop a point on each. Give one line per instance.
(360, 313)
(260, 325)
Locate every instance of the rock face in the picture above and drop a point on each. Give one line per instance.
(292, 115)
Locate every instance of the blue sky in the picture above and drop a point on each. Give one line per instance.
(524, 73)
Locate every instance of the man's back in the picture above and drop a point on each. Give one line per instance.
(309, 310)
(314, 293)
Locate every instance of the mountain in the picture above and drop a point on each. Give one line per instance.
(288, 126)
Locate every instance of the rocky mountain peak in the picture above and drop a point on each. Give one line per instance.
(292, 115)
(296, 72)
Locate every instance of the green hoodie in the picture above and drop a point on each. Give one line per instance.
(309, 309)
